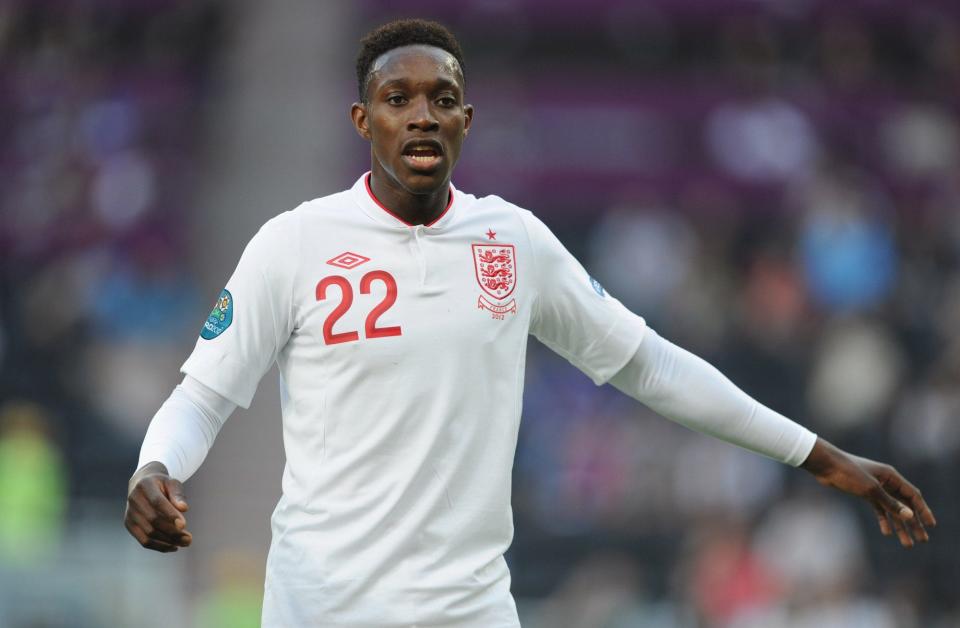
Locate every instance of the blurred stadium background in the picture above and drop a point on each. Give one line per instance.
(773, 184)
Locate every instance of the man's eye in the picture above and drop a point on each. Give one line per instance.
(447, 101)
(396, 99)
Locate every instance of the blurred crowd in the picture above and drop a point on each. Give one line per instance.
(102, 105)
(102, 110)
(774, 186)
(781, 196)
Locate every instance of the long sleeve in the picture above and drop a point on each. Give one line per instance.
(685, 388)
(184, 428)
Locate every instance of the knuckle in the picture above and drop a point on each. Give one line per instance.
(140, 502)
(141, 488)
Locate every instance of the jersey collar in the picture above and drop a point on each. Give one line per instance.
(372, 207)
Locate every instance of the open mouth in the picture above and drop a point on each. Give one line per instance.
(422, 154)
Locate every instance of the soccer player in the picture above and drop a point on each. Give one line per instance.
(398, 312)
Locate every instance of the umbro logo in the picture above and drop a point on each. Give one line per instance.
(348, 260)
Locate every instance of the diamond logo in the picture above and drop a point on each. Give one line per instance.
(348, 260)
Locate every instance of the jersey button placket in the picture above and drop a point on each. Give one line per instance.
(419, 253)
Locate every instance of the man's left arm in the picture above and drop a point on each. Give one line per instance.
(686, 389)
(574, 316)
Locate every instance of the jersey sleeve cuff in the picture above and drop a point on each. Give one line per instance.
(230, 379)
(612, 352)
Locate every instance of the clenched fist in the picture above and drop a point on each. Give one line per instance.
(155, 507)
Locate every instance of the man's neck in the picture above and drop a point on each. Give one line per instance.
(414, 209)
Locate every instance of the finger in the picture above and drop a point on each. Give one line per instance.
(174, 491)
(182, 539)
(160, 546)
(902, 534)
(136, 532)
(900, 486)
(918, 531)
(159, 501)
(144, 539)
(889, 503)
(885, 528)
(926, 515)
(920, 507)
(158, 520)
(150, 499)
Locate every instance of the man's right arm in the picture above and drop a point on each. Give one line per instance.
(177, 441)
(251, 322)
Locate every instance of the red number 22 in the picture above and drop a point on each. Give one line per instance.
(346, 300)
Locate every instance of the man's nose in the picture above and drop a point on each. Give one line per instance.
(422, 116)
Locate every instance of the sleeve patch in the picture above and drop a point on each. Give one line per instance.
(597, 287)
(220, 318)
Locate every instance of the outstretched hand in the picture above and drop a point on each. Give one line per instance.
(898, 504)
(155, 507)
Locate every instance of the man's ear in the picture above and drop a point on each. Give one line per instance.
(358, 113)
(468, 118)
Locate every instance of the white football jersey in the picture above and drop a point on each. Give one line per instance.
(401, 351)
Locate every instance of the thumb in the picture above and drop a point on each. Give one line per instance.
(893, 506)
(175, 492)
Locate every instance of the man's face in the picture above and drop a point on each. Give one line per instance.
(414, 117)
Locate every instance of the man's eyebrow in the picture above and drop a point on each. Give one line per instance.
(439, 83)
(397, 82)
(445, 82)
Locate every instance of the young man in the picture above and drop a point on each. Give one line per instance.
(398, 312)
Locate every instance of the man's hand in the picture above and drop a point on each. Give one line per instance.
(897, 503)
(155, 507)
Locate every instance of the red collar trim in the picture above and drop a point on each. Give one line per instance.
(366, 183)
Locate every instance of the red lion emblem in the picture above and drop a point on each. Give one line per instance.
(496, 269)
(489, 257)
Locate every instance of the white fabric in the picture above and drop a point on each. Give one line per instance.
(685, 388)
(184, 428)
(396, 491)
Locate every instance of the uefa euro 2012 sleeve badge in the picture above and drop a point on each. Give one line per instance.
(220, 318)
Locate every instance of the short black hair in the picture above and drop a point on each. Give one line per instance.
(401, 33)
